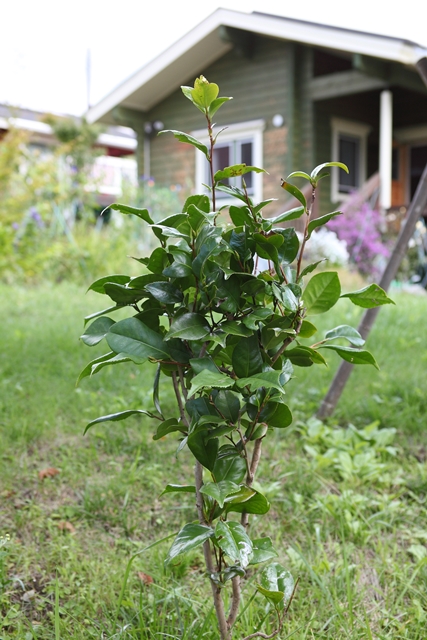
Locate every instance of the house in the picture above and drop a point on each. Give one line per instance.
(117, 145)
(304, 93)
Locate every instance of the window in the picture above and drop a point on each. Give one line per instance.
(237, 144)
(348, 146)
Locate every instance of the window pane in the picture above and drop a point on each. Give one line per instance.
(246, 158)
(221, 159)
(349, 153)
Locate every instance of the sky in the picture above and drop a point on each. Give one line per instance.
(44, 44)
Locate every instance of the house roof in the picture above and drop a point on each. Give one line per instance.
(203, 45)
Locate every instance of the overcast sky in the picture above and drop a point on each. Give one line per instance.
(44, 43)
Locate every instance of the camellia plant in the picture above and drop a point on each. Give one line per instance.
(226, 337)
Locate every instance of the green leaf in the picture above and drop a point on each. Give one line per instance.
(319, 222)
(292, 214)
(241, 216)
(98, 285)
(257, 315)
(295, 192)
(184, 137)
(144, 214)
(276, 584)
(229, 465)
(158, 260)
(262, 550)
(122, 295)
(216, 104)
(235, 192)
(269, 379)
(168, 426)
(165, 292)
(289, 249)
(201, 202)
(232, 538)
(235, 170)
(284, 294)
(118, 358)
(354, 356)
(299, 174)
(234, 328)
(203, 449)
(97, 314)
(87, 371)
(211, 380)
(97, 331)
(204, 93)
(309, 268)
(122, 415)
(349, 333)
(220, 490)
(322, 292)
(276, 414)
(132, 337)
(317, 170)
(228, 404)
(247, 358)
(201, 364)
(197, 217)
(190, 537)
(244, 502)
(299, 356)
(307, 329)
(178, 488)
(369, 297)
(189, 326)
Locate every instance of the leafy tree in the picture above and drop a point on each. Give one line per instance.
(226, 337)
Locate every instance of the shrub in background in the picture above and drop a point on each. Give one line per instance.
(365, 244)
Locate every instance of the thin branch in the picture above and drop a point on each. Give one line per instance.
(179, 399)
(182, 381)
(207, 552)
(309, 212)
(235, 601)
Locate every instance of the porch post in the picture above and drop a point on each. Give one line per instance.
(386, 140)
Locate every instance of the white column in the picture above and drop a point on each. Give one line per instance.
(386, 140)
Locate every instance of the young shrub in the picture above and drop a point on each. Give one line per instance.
(227, 341)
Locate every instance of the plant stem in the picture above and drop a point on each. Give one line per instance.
(179, 399)
(207, 552)
(307, 221)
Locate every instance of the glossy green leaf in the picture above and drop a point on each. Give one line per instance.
(288, 251)
(295, 192)
(229, 465)
(317, 170)
(216, 104)
(256, 316)
(97, 331)
(232, 538)
(319, 222)
(168, 426)
(98, 285)
(235, 328)
(309, 268)
(307, 329)
(292, 214)
(354, 356)
(204, 92)
(228, 404)
(190, 537)
(189, 326)
(322, 292)
(87, 371)
(276, 414)
(122, 415)
(178, 488)
(165, 292)
(276, 584)
(246, 358)
(349, 333)
(158, 260)
(262, 550)
(369, 297)
(269, 379)
(219, 490)
(235, 170)
(241, 216)
(235, 192)
(144, 214)
(202, 364)
(122, 295)
(298, 355)
(133, 337)
(203, 449)
(247, 501)
(184, 137)
(284, 294)
(299, 174)
(211, 380)
(202, 202)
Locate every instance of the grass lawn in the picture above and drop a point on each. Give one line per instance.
(348, 509)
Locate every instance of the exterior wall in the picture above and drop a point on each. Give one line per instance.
(259, 85)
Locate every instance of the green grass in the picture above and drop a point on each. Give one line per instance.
(348, 516)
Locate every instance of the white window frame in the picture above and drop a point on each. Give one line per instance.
(252, 131)
(355, 130)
